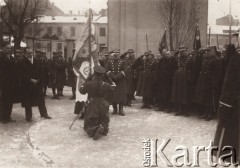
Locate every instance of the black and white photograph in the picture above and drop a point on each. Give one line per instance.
(119, 83)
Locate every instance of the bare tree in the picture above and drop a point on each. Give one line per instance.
(18, 14)
(178, 16)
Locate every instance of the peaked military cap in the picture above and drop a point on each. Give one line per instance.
(211, 48)
(116, 51)
(130, 51)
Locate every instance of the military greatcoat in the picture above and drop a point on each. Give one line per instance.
(116, 70)
(146, 77)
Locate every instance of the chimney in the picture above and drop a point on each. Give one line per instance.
(79, 13)
(70, 12)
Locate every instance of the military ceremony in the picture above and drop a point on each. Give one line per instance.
(119, 83)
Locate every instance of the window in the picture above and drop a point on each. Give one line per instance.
(102, 31)
(49, 31)
(102, 47)
(48, 47)
(59, 46)
(72, 31)
(213, 41)
(59, 31)
(38, 45)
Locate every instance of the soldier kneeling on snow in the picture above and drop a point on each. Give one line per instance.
(96, 119)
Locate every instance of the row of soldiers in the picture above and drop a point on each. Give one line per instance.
(56, 73)
(188, 83)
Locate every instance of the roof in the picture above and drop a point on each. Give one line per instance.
(223, 30)
(71, 19)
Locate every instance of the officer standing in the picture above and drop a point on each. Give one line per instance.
(53, 81)
(164, 75)
(181, 82)
(146, 78)
(116, 70)
(96, 121)
(130, 76)
(62, 73)
(227, 133)
(7, 85)
(44, 72)
(71, 77)
(204, 95)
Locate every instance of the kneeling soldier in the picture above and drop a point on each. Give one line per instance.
(96, 119)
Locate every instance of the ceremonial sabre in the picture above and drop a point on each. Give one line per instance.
(79, 114)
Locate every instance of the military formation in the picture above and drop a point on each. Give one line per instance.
(186, 83)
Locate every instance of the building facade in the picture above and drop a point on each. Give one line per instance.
(131, 21)
(59, 33)
(219, 36)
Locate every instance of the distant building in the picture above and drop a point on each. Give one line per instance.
(131, 20)
(220, 36)
(52, 33)
(224, 21)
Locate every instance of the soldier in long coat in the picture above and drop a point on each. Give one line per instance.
(229, 106)
(61, 73)
(196, 58)
(57, 75)
(181, 83)
(8, 85)
(116, 70)
(204, 94)
(145, 78)
(164, 75)
(32, 94)
(130, 76)
(71, 77)
(42, 64)
(44, 72)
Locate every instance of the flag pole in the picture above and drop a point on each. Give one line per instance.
(89, 36)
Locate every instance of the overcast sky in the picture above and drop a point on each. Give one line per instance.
(217, 8)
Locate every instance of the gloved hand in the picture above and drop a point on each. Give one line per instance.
(119, 76)
(111, 75)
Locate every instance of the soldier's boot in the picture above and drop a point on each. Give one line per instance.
(114, 109)
(121, 110)
(105, 132)
(98, 133)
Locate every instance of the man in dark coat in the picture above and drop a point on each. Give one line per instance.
(8, 85)
(145, 78)
(62, 73)
(96, 121)
(57, 79)
(42, 64)
(32, 94)
(71, 77)
(130, 76)
(204, 94)
(228, 126)
(164, 74)
(116, 70)
(53, 82)
(196, 58)
(44, 72)
(181, 83)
